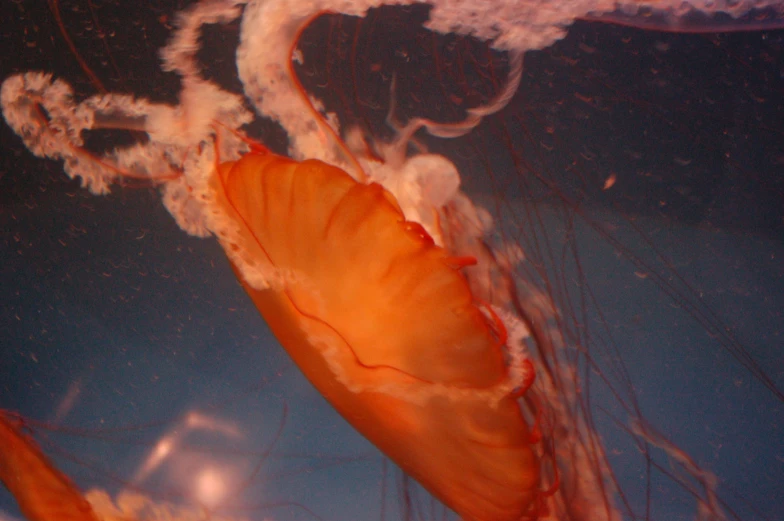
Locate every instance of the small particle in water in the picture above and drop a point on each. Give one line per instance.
(610, 181)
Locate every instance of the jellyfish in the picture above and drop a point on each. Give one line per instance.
(42, 491)
(310, 137)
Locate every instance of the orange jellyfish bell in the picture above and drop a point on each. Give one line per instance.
(384, 325)
(41, 490)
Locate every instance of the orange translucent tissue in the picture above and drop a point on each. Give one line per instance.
(42, 492)
(383, 323)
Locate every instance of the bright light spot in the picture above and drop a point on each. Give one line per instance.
(210, 487)
(171, 454)
(198, 421)
(162, 449)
